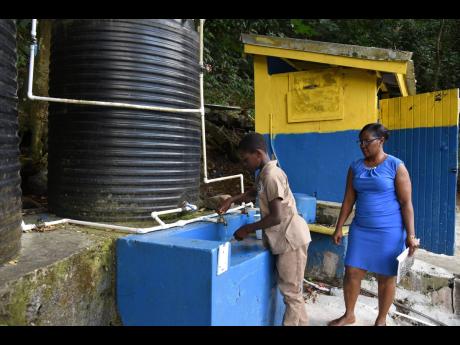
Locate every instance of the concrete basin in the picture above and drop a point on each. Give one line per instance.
(197, 275)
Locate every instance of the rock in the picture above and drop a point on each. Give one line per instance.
(443, 298)
(456, 300)
(214, 202)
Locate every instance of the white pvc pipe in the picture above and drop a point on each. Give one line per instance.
(155, 215)
(272, 144)
(110, 104)
(317, 286)
(103, 226)
(174, 210)
(27, 227)
(240, 176)
(208, 217)
(179, 223)
(202, 44)
(203, 127)
(34, 29)
(158, 220)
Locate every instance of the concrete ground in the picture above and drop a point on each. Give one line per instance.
(42, 249)
(322, 308)
(325, 308)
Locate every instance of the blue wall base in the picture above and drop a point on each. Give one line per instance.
(326, 260)
(170, 278)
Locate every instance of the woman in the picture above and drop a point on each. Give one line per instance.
(383, 223)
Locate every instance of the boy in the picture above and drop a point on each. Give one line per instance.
(285, 233)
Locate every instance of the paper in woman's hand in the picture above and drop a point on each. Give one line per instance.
(405, 263)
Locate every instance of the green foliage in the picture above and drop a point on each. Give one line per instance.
(229, 80)
(229, 77)
(300, 27)
(23, 39)
(435, 43)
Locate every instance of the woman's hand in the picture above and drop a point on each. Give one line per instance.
(412, 243)
(337, 235)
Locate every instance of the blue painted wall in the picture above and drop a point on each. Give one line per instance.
(317, 163)
(430, 155)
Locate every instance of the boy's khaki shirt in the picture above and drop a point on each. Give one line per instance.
(293, 230)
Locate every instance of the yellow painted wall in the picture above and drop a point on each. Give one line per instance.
(359, 95)
(432, 109)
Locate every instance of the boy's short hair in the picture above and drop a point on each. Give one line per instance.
(252, 142)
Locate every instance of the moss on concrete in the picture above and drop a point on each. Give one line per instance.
(78, 290)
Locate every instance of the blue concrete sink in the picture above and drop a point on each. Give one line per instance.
(170, 277)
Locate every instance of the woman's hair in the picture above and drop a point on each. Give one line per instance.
(377, 129)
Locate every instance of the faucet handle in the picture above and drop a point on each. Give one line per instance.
(187, 207)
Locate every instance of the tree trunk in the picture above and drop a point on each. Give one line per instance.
(39, 109)
(438, 56)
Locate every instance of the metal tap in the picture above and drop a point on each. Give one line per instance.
(221, 219)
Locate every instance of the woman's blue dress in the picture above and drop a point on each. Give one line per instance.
(377, 235)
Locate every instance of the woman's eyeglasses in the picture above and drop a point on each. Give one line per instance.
(365, 142)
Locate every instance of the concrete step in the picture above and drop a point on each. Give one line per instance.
(426, 278)
(423, 303)
(449, 263)
(435, 282)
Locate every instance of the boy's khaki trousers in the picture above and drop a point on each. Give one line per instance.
(291, 270)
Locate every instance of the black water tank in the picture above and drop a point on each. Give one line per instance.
(10, 190)
(118, 164)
